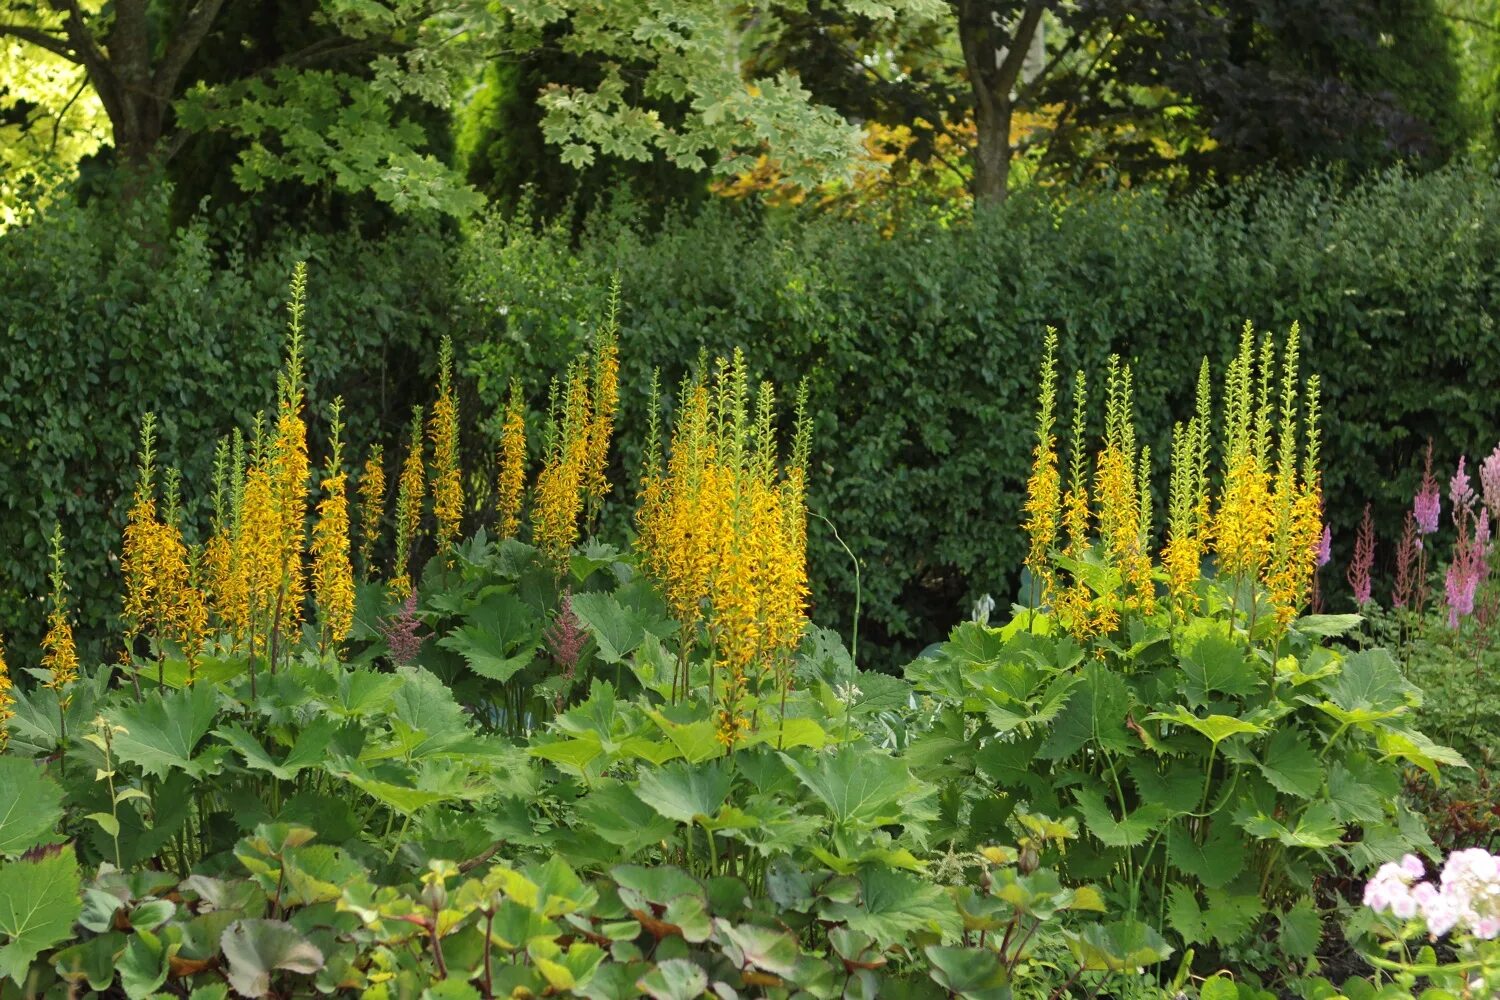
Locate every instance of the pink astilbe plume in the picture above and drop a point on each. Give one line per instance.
(400, 631)
(1363, 560)
(565, 636)
(1461, 492)
(1428, 503)
(1464, 574)
(1325, 547)
(1406, 564)
(1489, 481)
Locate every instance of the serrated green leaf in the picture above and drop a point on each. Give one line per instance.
(685, 792)
(1129, 832)
(161, 732)
(1290, 764)
(1214, 728)
(39, 902)
(1301, 930)
(30, 805)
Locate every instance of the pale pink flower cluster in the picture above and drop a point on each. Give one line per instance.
(1466, 897)
(1489, 480)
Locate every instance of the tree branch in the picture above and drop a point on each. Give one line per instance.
(41, 39)
(1020, 43)
(185, 41)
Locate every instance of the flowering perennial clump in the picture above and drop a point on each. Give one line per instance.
(723, 529)
(1466, 897)
(1266, 530)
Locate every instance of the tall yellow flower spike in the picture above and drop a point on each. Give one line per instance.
(606, 391)
(7, 700)
(560, 486)
(138, 556)
(410, 489)
(371, 507)
(447, 478)
(1187, 501)
(59, 654)
(510, 485)
(1044, 486)
(291, 469)
(333, 572)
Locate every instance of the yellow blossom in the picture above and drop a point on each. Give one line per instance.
(447, 479)
(7, 700)
(410, 489)
(333, 573)
(1044, 486)
(510, 486)
(59, 654)
(371, 507)
(560, 486)
(606, 374)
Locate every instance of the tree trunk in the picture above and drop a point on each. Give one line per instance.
(995, 49)
(992, 151)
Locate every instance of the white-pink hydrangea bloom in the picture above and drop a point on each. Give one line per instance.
(1466, 896)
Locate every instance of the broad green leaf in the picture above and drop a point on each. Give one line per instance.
(39, 901)
(892, 905)
(674, 979)
(425, 707)
(767, 948)
(1219, 988)
(256, 948)
(618, 815)
(1316, 828)
(1213, 662)
(162, 731)
(696, 741)
(1290, 764)
(499, 638)
(617, 630)
(859, 786)
(685, 792)
(1412, 746)
(1132, 831)
(30, 805)
(1229, 917)
(1118, 947)
(1214, 863)
(1370, 680)
(1215, 728)
(1326, 626)
(1301, 930)
(1095, 712)
(970, 973)
(309, 750)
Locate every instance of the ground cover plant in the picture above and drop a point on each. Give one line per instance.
(369, 734)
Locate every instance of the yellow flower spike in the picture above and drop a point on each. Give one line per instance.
(333, 572)
(257, 565)
(291, 469)
(510, 485)
(560, 486)
(137, 558)
(1044, 486)
(606, 391)
(410, 489)
(447, 478)
(59, 654)
(371, 507)
(7, 700)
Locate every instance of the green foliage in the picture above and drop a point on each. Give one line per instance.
(921, 347)
(106, 316)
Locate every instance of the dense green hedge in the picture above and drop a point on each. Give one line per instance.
(921, 349)
(923, 346)
(103, 317)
